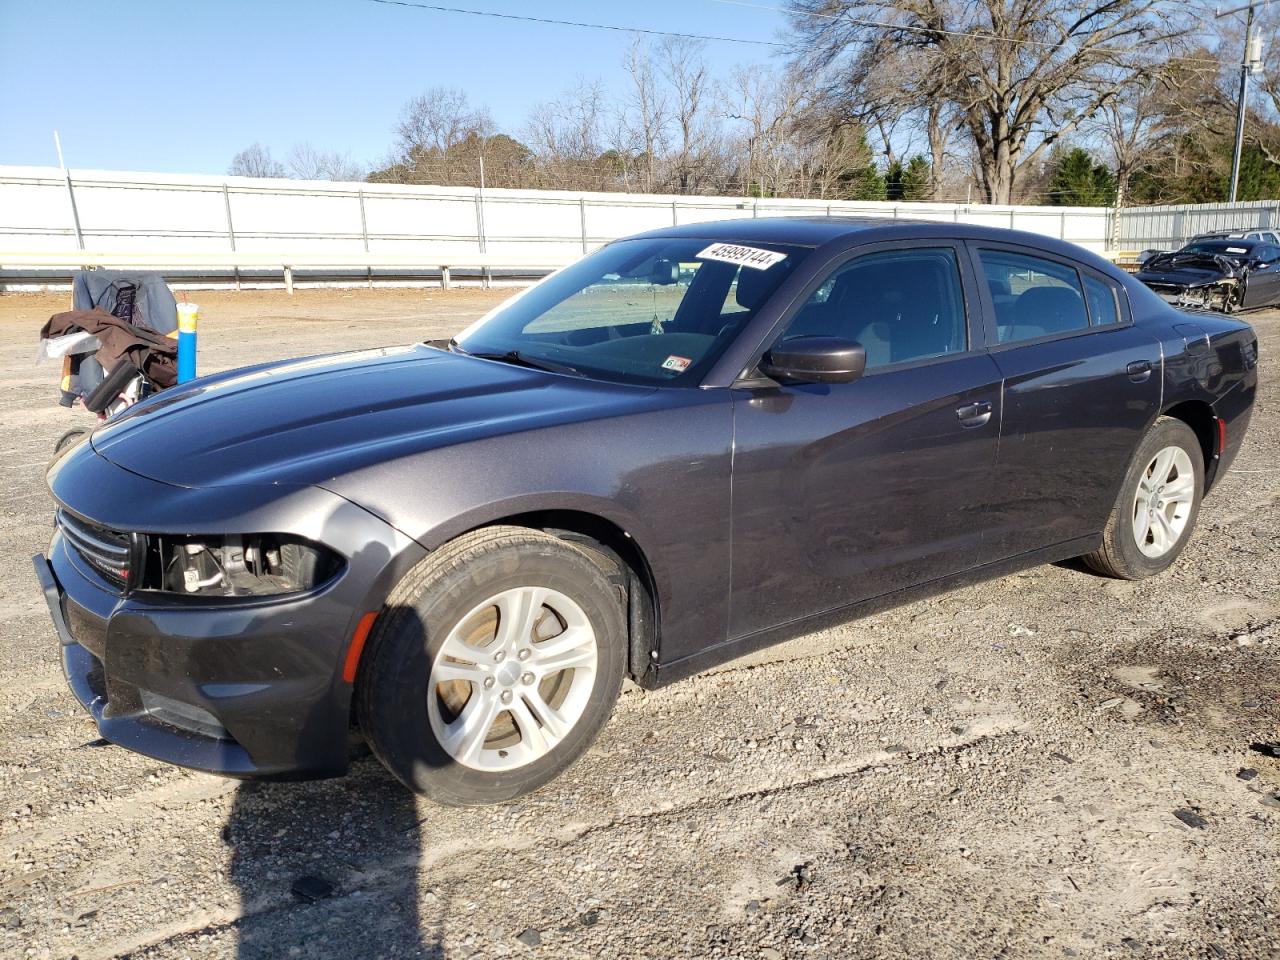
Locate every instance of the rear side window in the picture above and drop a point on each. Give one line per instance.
(1104, 309)
(1033, 297)
(901, 305)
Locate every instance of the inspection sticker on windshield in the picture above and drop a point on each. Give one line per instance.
(752, 257)
(678, 364)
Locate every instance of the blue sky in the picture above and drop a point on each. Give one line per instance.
(182, 85)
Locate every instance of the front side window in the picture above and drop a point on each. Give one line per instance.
(901, 305)
(1033, 297)
(658, 311)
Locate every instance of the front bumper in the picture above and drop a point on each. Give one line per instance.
(252, 692)
(244, 688)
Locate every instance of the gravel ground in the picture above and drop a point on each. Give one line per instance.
(1049, 765)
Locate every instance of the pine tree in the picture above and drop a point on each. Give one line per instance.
(1078, 181)
(916, 179)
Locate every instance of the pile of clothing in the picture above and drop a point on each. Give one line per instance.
(118, 344)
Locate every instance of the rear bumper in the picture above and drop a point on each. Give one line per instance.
(1234, 409)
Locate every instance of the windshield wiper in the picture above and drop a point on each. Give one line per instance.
(523, 360)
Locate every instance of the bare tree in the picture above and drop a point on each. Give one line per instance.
(1129, 130)
(438, 119)
(1021, 75)
(646, 116)
(940, 122)
(692, 93)
(306, 162)
(768, 106)
(255, 161)
(568, 137)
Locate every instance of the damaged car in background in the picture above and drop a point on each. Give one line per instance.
(1224, 274)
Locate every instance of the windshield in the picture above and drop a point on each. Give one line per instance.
(658, 311)
(1223, 248)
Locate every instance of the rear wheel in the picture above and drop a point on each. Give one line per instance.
(1156, 510)
(493, 666)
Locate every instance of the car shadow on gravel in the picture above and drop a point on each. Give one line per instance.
(328, 869)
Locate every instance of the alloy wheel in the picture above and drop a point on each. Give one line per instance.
(512, 679)
(1163, 501)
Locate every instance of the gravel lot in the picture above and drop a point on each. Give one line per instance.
(1050, 765)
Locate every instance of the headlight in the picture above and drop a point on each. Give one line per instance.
(257, 565)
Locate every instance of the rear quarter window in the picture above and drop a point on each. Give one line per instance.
(1103, 300)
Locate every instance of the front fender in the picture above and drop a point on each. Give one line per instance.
(663, 477)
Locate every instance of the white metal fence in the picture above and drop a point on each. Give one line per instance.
(45, 212)
(1170, 227)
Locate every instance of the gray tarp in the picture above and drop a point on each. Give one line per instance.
(141, 297)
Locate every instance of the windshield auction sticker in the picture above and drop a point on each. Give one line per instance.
(752, 257)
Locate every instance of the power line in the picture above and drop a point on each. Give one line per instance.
(438, 8)
(911, 28)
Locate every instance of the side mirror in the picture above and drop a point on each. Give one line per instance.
(815, 360)
(664, 273)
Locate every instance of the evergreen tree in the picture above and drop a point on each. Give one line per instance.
(893, 175)
(916, 179)
(1078, 181)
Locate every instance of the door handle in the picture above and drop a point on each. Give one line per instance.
(974, 414)
(1139, 371)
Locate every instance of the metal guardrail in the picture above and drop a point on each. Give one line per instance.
(286, 263)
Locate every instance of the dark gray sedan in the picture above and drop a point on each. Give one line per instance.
(688, 445)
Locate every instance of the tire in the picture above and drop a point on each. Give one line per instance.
(65, 442)
(1169, 464)
(411, 695)
(70, 439)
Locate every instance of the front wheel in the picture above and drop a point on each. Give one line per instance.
(492, 667)
(1156, 510)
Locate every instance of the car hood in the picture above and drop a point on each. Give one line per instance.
(307, 421)
(1181, 278)
(1187, 269)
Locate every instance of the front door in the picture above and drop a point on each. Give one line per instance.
(1263, 287)
(844, 492)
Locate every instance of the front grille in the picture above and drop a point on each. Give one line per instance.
(108, 552)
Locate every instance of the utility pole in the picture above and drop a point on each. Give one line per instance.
(1250, 63)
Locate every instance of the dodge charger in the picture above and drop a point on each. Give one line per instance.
(685, 446)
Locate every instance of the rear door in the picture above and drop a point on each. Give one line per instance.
(1081, 384)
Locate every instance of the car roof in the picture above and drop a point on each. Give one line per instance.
(819, 231)
(1226, 234)
(800, 231)
(1224, 242)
